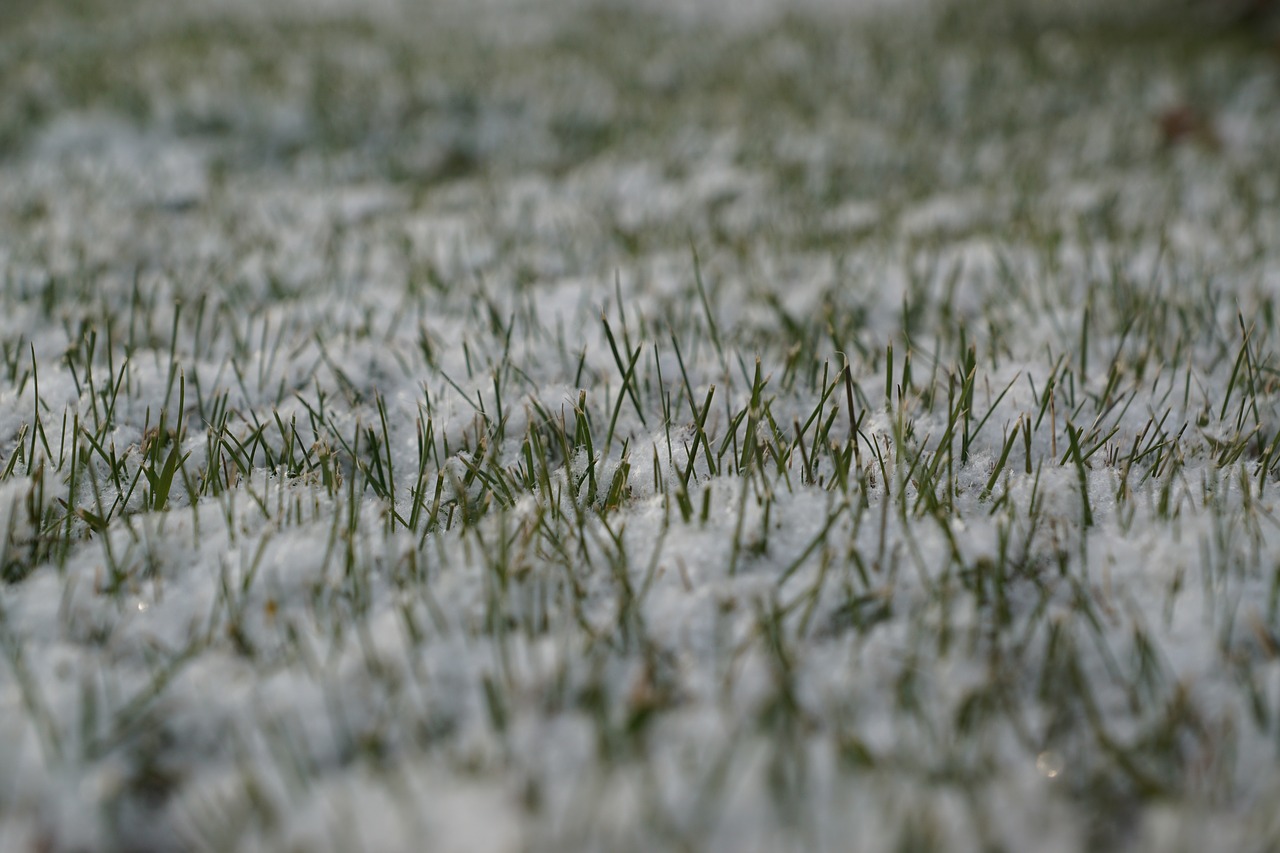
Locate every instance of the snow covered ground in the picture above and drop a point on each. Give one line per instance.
(522, 425)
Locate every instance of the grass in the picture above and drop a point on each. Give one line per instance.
(636, 435)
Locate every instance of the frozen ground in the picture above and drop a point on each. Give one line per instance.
(638, 426)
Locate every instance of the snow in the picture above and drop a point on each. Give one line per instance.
(278, 664)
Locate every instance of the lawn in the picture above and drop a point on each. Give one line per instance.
(524, 425)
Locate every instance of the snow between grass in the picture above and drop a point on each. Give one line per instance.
(601, 427)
